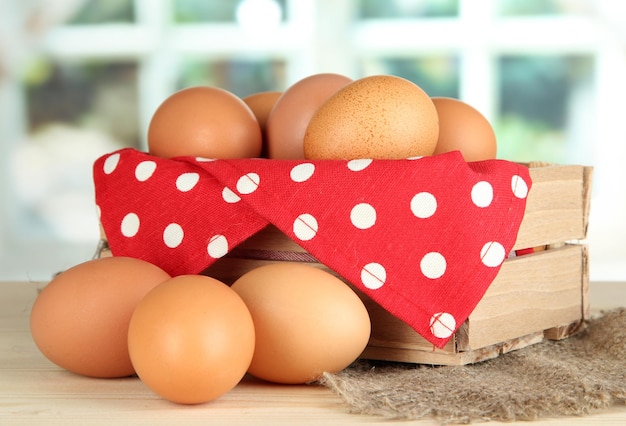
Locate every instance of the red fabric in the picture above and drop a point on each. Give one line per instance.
(423, 237)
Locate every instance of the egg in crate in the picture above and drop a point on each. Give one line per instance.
(261, 104)
(204, 121)
(292, 112)
(375, 117)
(463, 128)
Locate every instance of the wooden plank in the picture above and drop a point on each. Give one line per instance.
(35, 392)
(564, 331)
(437, 357)
(531, 293)
(391, 332)
(557, 206)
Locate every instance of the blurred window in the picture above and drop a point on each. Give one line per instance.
(195, 11)
(97, 94)
(548, 74)
(436, 75)
(403, 9)
(239, 76)
(539, 98)
(103, 12)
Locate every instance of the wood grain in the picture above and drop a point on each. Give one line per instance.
(33, 391)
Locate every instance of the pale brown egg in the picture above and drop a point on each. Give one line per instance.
(261, 104)
(191, 339)
(80, 319)
(378, 117)
(204, 121)
(462, 127)
(293, 110)
(307, 322)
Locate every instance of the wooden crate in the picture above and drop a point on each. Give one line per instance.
(540, 295)
(535, 296)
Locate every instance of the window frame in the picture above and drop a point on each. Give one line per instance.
(310, 41)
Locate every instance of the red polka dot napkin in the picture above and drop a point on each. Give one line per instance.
(422, 237)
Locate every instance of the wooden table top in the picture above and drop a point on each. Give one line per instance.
(35, 391)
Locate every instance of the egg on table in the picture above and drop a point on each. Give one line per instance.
(307, 322)
(80, 319)
(191, 339)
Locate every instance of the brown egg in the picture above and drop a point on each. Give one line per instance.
(462, 127)
(378, 117)
(261, 104)
(306, 320)
(293, 110)
(205, 122)
(80, 319)
(191, 339)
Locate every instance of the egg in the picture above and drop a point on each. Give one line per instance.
(204, 121)
(462, 127)
(290, 116)
(261, 104)
(191, 339)
(307, 322)
(80, 319)
(377, 117)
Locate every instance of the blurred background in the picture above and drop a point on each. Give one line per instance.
(79, 78)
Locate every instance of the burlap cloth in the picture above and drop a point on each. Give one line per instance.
(572, 377)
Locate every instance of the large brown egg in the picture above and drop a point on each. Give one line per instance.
(204, 121)
(306, 321)
(463, 128)
(191, 339)
(293, 110)
(379, 117)
(261, 104)
(80, 319)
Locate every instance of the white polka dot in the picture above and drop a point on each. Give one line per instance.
(519, 186)
(442, 325)
(305, 227)
(248, 183)
(424, 205)
(302, 172)
(359, 164)
(173, 235)
(417, 157)
(187, 181)
(111, 163)
(229, 196)
(204, 160)
(373, 276)
(218, 246)
(482, 194)
(363, 216)
(433, 265)
(130, 225)
(492, 254)
(144, 170)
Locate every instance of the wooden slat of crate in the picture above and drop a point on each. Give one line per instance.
(531, 294)
(438, 357)
(557, 208)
